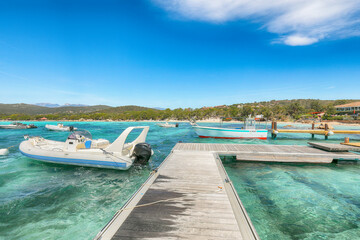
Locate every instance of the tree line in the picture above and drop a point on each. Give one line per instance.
(280, 110)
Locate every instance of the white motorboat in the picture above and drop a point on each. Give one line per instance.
(248, 131)
(60, 127)
(17, 125)
(168, 125)
(4, 151)
(80, 149)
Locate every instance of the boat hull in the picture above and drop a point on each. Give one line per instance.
(56, 128)
(93, 159)
(12, 127)
(228, 133)
(167, 125)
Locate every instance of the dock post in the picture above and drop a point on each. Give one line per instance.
(272, 129)
(312, 127)
(346, 140)
(326, 131)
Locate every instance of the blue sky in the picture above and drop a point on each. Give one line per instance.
(178, 53)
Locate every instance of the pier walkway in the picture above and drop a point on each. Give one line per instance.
(191, 197)
(326, 131)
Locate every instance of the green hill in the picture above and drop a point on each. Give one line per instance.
(22, 108)
(305, 103)
(84, 109)
(286, 110)
(128, 108)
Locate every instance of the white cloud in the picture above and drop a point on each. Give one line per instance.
(296, 40)
(298, 22)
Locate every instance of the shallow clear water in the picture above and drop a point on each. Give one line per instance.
(50, 201)
(294, 201)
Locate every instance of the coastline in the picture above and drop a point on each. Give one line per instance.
(210, 120)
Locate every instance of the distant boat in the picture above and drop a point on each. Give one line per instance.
(60, 127)
(168, 125)
(17, 125)
(81, 150)
(4, 151)
(249, 131)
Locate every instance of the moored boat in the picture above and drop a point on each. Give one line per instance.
(248, 131)
(60, 127)
(80, 149)
(4, 151)
(168, 125)
(17, 125)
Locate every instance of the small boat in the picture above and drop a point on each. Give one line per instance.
(249, 131)
(81, 150)
(60, 127)
(4, 151)
(168, 125)
(17, 125)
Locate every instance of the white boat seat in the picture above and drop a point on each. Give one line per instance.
(99, 143)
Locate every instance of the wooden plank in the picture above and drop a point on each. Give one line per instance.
(238, 149)
(332, 147)
(346, 131)
(291, 158)
(354, 144)
(187, 200)
(183, 202)
(316, 131)
(319, 132)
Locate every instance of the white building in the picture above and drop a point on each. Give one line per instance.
(349, 107)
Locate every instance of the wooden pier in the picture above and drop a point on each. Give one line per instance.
(191, 197)
(354, 144)
(325, 132)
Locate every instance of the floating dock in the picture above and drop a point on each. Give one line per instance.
(190, 195)
(333, 147)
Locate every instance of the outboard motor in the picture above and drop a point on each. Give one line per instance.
(142, 153)
(71, 128)
(176, 125)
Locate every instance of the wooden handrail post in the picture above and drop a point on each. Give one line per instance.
(313, 127)
(326, 131)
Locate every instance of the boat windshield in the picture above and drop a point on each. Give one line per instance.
(249, 123)
(80, 135)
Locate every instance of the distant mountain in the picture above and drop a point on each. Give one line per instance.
(55, 105)
(49, 105)
(22, 108)
(74, 105)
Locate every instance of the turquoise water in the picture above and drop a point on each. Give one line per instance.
(50, 201)
(296, 201)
